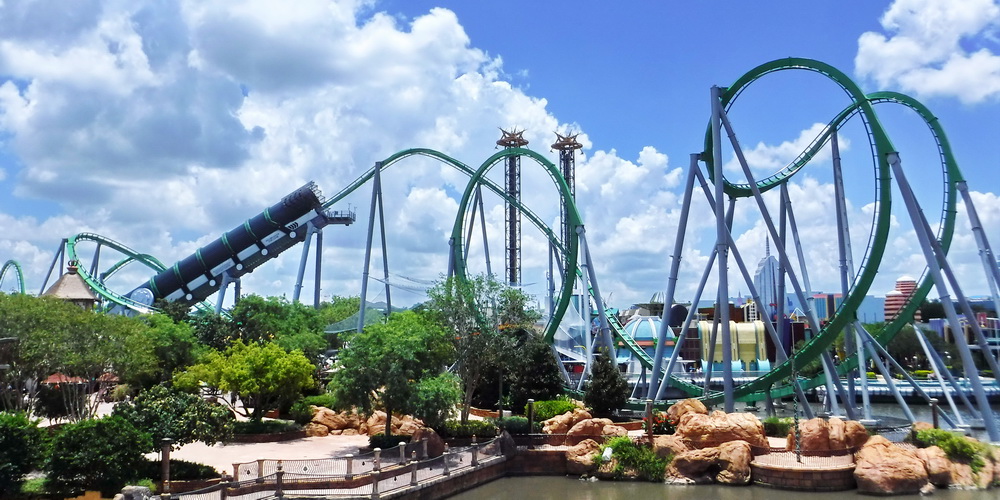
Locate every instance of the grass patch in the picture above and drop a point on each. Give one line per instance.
(631, 457)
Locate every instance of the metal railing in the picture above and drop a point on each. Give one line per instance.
(370, 475)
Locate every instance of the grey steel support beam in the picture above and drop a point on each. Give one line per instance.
(376, 193)
(713, 339)
(297, 292)
(585, 311)
(318, 278)
(936, 262)
(958, 390)
(985, 251)
(58, 257)
(936, 369)
(675, 265)
(765, 215)
(869, 341)
(95, 265)
(722, 304)
(224, 282)
(601, 309)
(385, 251)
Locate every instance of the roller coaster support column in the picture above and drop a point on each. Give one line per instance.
(810, 314)
(782, 295)
(852, 340)
(58, 257)
(310, 230)
(602, 311)
(224, 282)
(721, 245)
(937, 370)
(585, 311)
(936, 262)
(376, 197)
(985, 252)
(959, 391)
(319, 269)
(96, 264)
(780, 355)
(477, 204)
(675, 265)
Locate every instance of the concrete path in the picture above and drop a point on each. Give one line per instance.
(223, 456)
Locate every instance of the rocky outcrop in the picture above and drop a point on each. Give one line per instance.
(937, 465)
(580, 458)
(435, 444)
(734, 463)
(561, 424)
(833, 434)
(596, 427)
(317, 430)
(352, 424)
(668, 445)
(701, 431)
(681, 408)
(134, 493)
(886, 469)
(693, 466)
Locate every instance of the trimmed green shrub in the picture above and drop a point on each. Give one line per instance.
(183, 417)
(777, 427)
(180, 470)
(478, 428)
(630, 456)
(516, 425)
(21, 445)
(385, 442)
(265, 427)
(301, 412)
(99, 454)
(958, 448)
(325, 400)
(922, 374)
(545, 410)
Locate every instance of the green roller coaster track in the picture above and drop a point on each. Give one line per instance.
(18, 274)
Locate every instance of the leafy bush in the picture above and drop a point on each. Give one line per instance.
(385, 442)
(516, 425)
(630, 456)
(478, 428)
(922, 374)
(180, 470)
(870, 375)
(436, 398)
(265, 427)
(325, 400)
(301, 412)
(21, 444)
(958, 448)
(99, 454)
(183, 417)
(662, 424)
(121, 392)
(545, 410)
(777, 427)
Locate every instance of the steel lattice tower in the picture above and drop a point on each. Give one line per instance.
(567, 146)
(512, 219)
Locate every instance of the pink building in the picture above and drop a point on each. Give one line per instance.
(896, 299)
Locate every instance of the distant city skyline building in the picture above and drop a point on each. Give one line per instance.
(895, 299)
(765, 280)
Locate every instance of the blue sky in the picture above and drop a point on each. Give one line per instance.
(164, 124)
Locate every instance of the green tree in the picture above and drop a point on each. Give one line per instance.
(165, 413)
(384, 365)
(435, 399)
(261, 375)
(535, 375)
(606, 390)
(97, 454)
(21, 450)
(291, 325)
(177, 311)
(214, 330)
(480, 313)
(174, 345)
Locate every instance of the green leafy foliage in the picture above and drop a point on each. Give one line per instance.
(166, 413)
(21, 445)
(383, 366)
(292, 325)
(534, 373)
(262, 375)
(174, 345)
(98, 454)
(607, 389)
(436, 398)
(180, 470)
(516, 425)
(634, 458)
(301, 412)
(325, 400)
(386, 441)
(547, 409)
(661, 422)
(777, 426)
(265, 427)
(458, 429)
(958, 448)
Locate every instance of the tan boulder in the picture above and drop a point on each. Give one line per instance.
(937, 464)
(316, 430)
(921, 426)
(614, 430)
(984, 478)
(340, 433)
(734, 463)
(435, 444)
(681, 408)
(374, 430)
(701, 431)
(855, 434)
(837, 430)
(886, 469)
(561, 424)
(580, 458)
(350, 432)
(815, 435)
(668, 445)
(693, 465)
(589, 427)
(407, 427)
(962, 475)
(329, 418)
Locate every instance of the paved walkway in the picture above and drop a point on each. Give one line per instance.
(223, 456)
